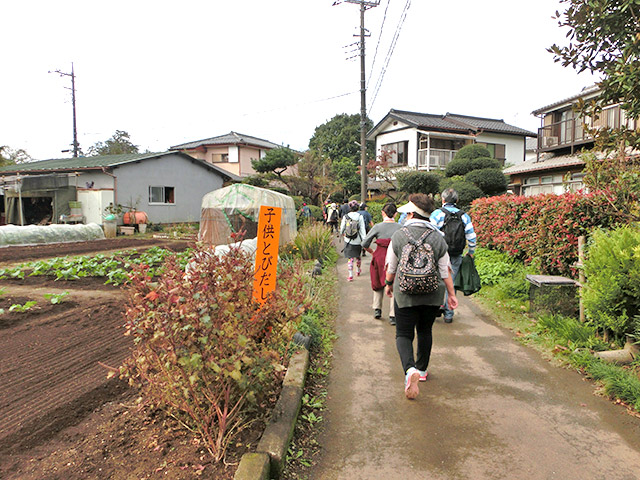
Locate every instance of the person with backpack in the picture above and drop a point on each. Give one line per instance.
(353, 231)
(381, 234)
(458, 232)
(417, 277)
(332, 216)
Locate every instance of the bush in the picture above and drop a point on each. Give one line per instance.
(467, 191)
(314, 241)
(493, 266)
(543, 229)
(611, 295)
(472, 151)
(419, 182)
(490, 180)
(204, 351)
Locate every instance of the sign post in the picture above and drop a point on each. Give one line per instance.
(264, 276)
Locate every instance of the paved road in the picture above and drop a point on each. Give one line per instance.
(491, 408)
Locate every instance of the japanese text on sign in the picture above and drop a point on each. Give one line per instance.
(264, 277)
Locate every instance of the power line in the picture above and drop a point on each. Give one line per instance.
(392, 47)
(375, 55)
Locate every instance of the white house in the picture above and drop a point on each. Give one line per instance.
(428, 142)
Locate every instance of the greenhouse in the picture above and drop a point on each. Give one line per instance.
(40, 234)
(236, 208)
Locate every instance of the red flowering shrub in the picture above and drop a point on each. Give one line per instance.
(204, 350)
(542, 230)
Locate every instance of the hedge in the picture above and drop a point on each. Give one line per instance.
(542, 230)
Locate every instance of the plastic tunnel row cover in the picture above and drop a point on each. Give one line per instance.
(39, 234)
(236, 207)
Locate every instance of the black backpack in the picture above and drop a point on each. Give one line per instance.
(453, 229)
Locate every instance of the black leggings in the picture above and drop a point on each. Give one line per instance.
(410, 320)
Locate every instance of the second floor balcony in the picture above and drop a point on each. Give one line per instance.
(434, 158)
(573, 132)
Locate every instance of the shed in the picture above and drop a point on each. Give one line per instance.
(236, 207)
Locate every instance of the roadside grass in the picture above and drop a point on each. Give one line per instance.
(565, 340)
(318, 323)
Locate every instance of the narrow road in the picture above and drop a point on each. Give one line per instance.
(491, 408)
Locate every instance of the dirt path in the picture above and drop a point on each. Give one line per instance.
(491, 408)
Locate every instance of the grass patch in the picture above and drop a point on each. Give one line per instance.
(565, 339)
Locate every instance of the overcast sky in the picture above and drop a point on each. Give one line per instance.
(173, 72)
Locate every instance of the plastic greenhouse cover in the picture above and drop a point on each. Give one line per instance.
(236, 207)
(39, 234)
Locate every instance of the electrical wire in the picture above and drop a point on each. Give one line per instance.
(392, 47)
(375, 55)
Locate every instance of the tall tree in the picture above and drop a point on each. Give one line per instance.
(118, 144)
(340, 138)
(604, 38)
(10, 156)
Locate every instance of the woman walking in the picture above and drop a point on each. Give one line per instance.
(381, 233)
(415, 313)
(353, 230)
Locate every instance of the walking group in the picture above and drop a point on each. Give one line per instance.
(415, 263)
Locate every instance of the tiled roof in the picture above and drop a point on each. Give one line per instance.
(456, 123)
(97, 162)
(231, 138)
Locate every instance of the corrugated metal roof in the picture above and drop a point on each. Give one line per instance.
(569, 100)
(546, 163)
(98, 162)
(231, 138)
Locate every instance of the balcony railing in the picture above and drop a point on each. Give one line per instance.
(572, 132)
(437, 160)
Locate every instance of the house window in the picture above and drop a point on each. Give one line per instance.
(220, 157)
(497, 150)
(396, 152)
(163, 195)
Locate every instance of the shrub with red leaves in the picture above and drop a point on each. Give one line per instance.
(542, 230)
(204, 350)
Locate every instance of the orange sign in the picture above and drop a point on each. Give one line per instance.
(264, 277)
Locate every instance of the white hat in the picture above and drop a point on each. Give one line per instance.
(412, 207)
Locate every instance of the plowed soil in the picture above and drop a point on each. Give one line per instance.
(60, 417)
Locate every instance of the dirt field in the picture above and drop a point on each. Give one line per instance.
(60, 418)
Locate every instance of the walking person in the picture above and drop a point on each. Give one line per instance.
(458, 232)
(416, 312)
(332, 217)
(353, 231)
(381, 233)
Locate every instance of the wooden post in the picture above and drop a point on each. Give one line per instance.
(581, 278)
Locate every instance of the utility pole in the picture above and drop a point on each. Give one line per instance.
(76, 147)
(364, 6)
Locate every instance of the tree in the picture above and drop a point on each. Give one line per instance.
(490, 180)
(345, 172)
(467, 191)
(604, 38)
(340, 138)
(419, 182)
(276, 161)
(9, 156)
(118, 144)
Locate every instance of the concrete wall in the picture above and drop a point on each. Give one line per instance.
(189, 180)
(514, 146)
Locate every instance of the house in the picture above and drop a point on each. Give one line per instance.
(429, 142)
(558, 165)
(232, 152)
(167, 186)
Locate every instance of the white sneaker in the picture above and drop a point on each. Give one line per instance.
(411, 380)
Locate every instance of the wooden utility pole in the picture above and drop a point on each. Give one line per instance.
(364, 5)
(76, 146)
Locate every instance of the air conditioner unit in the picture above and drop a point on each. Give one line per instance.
(550, 141)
